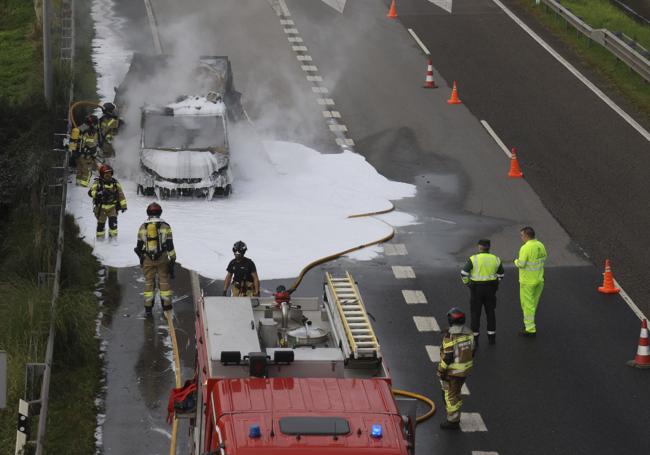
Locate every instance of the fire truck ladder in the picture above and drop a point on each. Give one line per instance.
(361, 340)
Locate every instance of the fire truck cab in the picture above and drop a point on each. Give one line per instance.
(279, 375)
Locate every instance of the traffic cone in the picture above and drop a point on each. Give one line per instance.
(454, 96)
(642, 357)
(608, 286)
(515, 170)
(428, 80)
(392, 12)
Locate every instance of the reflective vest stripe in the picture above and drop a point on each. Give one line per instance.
(484, 267)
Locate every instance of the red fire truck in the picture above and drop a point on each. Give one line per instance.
(283, 375)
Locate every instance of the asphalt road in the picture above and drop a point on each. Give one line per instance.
(568, 390)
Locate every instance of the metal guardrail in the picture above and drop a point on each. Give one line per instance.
(634, 59)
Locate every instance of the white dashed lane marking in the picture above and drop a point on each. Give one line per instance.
(309, 68)
(402, 271)
(337, 127)
(291, 31)
(304, 58)
(414, 297)
(471, 422)
(325, 101)
(299, 48)
(319, 90)
(395, 249)
(434, 353)
(314, 79)
(464, 390)
(295, 39)
(286, 22)
(342, 142)
(426, 324)
(331, 114)
(478, 452)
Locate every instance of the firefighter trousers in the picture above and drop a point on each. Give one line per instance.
(243, 290)
(529, 295)
(102, 213)
(153, 268)
(484, 295)
(85, 164)
(451, 394)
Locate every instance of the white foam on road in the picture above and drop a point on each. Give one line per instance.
(290, 208)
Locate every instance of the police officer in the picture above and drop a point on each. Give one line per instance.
(482, 273)
(107, 195)
(456, 360)
(155, 248)
(242, 273)
(532, 256)
(88, 147)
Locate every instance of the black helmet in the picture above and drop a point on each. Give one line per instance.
(239, 247)
(91, 120)
(154, 209)
(108, 107)
(455, 316)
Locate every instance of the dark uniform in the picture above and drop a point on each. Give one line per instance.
(242, 270)
(482, 274)
(456, 362)
(108, 198)
(155, 248)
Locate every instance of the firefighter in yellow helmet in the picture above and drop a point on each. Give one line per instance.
(456, 361)
(88, 146)
(108, 198)
(155, 248)
(108, 127)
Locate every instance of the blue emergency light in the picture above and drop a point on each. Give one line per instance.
(376, 431)
(254, 431)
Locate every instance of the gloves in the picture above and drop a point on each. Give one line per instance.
(123, 209)
(140, 255)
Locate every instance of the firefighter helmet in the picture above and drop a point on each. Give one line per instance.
(456, 316)
(239, 247)
(154, 209)
(91, 120)
(108, 107)
(105, 169)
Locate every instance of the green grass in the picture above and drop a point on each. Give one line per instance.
(600, 14)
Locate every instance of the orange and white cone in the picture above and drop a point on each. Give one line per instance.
(453, 99)
(515, 170)
(608, 286)
(392, 11)
(428, 81)
(642, 358)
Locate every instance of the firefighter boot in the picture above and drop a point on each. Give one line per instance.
(447, 425)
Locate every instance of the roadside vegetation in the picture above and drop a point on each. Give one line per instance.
(600, 14)
(28, 232)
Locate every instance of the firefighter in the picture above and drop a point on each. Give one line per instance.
(109, 124)
(108, 198)
(456, 360)
(530, 263)
(482, 273)
(242, 273)
(88, 147)
(155, 249)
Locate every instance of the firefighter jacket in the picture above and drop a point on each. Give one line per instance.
(154, 239)
(482, 267)
(107, 194)
(108, 126)
(89, 140)
(530, 262)
(456, 352)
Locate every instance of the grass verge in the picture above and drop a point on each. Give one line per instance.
(600, 14)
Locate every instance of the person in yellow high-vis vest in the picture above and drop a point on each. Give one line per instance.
(155, 248)
(532, 256)
(456, 361)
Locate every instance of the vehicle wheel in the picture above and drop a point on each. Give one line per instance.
(140, 190)
(227, 190)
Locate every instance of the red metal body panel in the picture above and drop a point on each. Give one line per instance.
(241, 403)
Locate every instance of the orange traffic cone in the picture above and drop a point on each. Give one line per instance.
(642, 357)
(392, 12)
(608, 286)
(454, 96)
(428, 80)
(515, 170)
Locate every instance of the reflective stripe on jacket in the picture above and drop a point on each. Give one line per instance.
(457, 352)
(532, 256)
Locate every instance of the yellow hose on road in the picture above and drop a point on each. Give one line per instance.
(422, 398)
(177, 371)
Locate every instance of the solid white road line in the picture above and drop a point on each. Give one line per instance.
(395, 249)
(624, 115)
(414, 297)
(471, 421)
(478, 452)
(434, 353)
(420, 43)
(426, 324)
(496, 138)
(627, 299)
(402, 272)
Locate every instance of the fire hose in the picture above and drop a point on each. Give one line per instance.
(80, 103)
